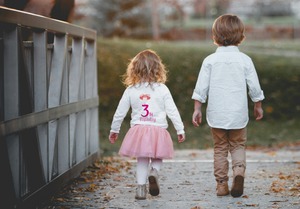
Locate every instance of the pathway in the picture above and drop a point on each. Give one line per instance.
(187, 181)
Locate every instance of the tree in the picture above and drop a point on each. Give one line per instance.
(121, 18)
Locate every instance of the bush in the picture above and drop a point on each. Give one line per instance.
(279, 76)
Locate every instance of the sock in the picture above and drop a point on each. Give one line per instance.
(142, 170)
(156, 163)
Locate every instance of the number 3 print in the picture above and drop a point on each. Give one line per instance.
(146, 106)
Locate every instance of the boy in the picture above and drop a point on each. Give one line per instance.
(224, 77)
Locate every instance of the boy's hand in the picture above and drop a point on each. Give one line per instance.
(113, 137)
(181, 138)
(197, 116)
(258, 111)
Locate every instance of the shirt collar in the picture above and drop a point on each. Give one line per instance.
(227, 49)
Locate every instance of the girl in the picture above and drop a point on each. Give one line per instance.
(150, 101)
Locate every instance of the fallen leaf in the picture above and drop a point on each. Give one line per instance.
(272, 153)
(60, 199)
(239, 203)
(245, 196)
(252, 205)
(193, 154)
(119, 179)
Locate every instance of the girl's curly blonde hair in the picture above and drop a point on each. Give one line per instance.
(145, 67)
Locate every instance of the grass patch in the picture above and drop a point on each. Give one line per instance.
(279, 77)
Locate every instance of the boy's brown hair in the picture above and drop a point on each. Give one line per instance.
(228, 30)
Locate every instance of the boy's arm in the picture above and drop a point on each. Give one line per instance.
(258, 111)
(197, 115)
(255, 92)
(201, 89)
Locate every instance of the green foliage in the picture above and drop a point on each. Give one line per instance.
(279, 78)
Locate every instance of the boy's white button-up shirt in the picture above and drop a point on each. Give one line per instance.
(224, 77)
(150, 106)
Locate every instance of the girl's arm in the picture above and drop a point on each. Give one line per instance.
(121, 112)
(173, 113)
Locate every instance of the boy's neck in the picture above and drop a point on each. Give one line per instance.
(228, 45)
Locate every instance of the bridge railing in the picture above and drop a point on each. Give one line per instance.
(48, 105)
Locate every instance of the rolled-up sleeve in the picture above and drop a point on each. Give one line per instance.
(121, 112)
(202, 85)
(255, 92)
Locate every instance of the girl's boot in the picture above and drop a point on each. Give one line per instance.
(141, 192)
(153, 182)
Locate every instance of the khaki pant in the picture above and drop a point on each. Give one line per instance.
(232, 140)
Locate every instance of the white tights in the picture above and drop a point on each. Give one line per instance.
(142, 168)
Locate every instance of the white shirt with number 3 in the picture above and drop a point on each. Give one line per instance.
(150, 106)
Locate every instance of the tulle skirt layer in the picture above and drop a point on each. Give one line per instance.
(147, 141)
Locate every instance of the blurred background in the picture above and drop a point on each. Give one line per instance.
(180, 32)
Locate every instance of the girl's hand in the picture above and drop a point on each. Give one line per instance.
(113, 137)
(181, 138)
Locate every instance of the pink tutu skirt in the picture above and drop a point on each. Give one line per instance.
(147, 141)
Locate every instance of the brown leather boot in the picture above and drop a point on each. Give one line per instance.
(237, 188)
(222, 188)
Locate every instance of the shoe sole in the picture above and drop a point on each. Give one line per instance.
(153, 186)
(238, 187)
(223, 194)
(140, 198)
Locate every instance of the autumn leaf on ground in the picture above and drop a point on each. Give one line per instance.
(283, 177)
(245, 196)
(193, 154)
(60, 199)
(119, 179)
(252, 205)
(197, 207)
(275, 190)
(239, 203)
(278, 182)
(272, 153)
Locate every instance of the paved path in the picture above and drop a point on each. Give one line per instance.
(187, 181)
